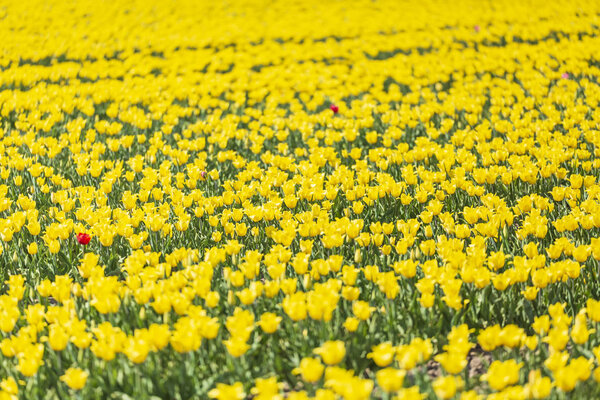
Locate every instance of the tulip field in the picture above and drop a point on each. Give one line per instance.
(299, 199)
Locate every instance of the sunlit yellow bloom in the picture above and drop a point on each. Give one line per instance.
(75, 378)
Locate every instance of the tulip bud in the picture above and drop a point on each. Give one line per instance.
(358, 256)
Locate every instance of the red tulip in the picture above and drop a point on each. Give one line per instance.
(83, 238)
(334, 108)
(477, 28)
(565, 75)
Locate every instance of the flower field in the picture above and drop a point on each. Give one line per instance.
(299, 199)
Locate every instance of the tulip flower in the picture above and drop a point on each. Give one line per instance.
(83, 238)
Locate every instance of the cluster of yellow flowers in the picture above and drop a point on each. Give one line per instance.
(299, 199)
